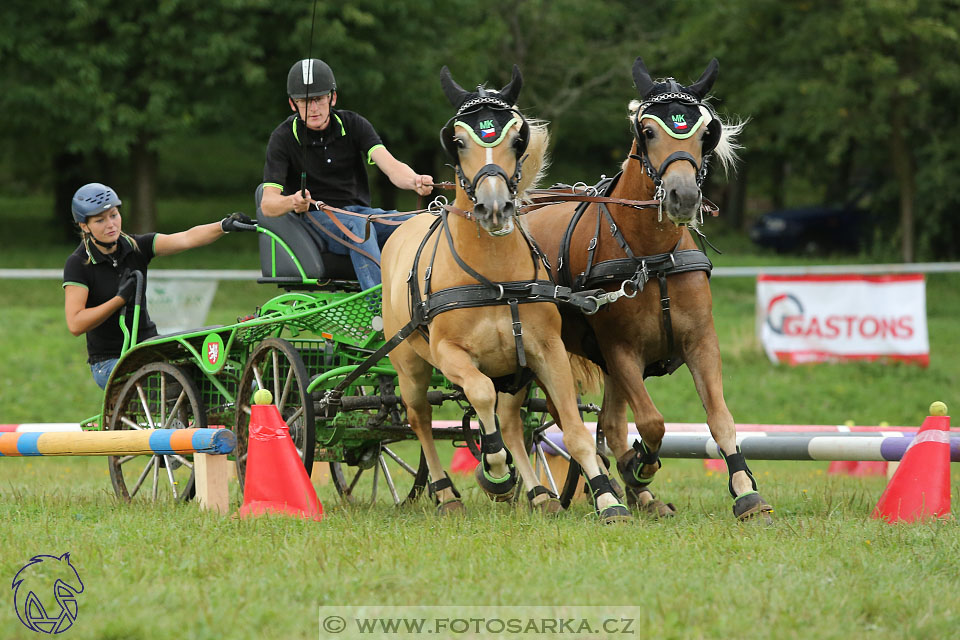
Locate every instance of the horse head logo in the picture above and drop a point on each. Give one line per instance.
(32, 587)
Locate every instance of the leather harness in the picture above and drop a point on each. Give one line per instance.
(636, 271)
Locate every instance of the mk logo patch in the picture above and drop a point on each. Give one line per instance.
(679, 122)
(487, 129)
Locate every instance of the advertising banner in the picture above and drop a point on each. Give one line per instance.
(827, 318)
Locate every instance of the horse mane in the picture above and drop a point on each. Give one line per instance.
(726, 150)
(537, 159)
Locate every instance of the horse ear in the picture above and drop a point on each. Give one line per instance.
(511, 91)
(641, 78)
(454, 92)
(701, 87)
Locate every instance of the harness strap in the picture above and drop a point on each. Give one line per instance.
(665, 312)
(443, 483)
(736, 462)
(347, 233)
(599, 485)
(539, 490)
(518, 340)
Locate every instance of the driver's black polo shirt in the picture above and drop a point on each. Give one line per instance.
(336, 158)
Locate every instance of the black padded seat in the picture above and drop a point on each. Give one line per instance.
(212, 327)
(306, 242)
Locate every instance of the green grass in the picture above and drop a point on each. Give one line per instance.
(825, 570)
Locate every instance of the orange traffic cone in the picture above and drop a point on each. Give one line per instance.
(276, 481)
(920, 488)
(463, 461)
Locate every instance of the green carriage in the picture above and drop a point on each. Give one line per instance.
(299, 345)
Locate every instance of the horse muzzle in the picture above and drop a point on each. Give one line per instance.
(495, 207)
(681, 200)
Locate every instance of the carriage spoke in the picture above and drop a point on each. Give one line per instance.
(400, 461)
(376, 481)
(130, 423)
(126, 459)
(275, 356)
(163, 399)
(256, 375)
(143, 474)
(282, 400)
(353, 483)
(156, 477)
(386, 476)
(145, 405)
(181, 460)
(173, 483)
(174, 411)
(293, 417)
(560, 452)
(542, 462)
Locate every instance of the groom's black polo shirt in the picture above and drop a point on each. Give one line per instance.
(99, 274)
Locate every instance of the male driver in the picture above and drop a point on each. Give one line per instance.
(336, 145)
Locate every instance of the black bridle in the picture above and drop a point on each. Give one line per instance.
(447, 139)
(710, 140)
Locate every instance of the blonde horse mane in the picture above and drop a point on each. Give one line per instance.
(538, 160)
(726, 150)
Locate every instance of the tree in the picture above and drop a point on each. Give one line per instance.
(115, 77)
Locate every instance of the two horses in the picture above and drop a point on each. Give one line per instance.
(470, 280)
(480, 251)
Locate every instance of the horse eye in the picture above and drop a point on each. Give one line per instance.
(649, 133)
(459, 143)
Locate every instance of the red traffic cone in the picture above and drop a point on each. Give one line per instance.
(714, 464)
(276, 481)
(920, 488)
(463, 461)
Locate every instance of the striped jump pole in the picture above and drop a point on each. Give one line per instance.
(118, 443)
(863, 446)
(207, 446)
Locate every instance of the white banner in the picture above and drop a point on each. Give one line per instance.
(179, 305)
(825, 318)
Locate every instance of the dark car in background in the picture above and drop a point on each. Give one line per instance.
(811, 230)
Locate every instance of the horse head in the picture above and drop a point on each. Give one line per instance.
(675, 134)
(486, 140)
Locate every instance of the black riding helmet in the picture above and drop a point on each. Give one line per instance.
(310, 78)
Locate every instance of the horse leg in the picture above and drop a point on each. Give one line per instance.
(637, 465)
(414, 378)
(496, 473)
(703, 360)
(557, 378)
(539, 497)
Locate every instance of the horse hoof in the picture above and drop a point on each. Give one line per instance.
(615, 514)
(451, 508)
(548, 507)
(497, 489)
(750, 506)
(652, 506)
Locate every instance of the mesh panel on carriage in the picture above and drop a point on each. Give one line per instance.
(278, 267)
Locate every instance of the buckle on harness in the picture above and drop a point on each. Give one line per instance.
(517, 329)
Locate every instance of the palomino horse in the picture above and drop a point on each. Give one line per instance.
(467, 278)
(669, 322)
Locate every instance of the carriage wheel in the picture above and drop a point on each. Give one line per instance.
(276, 365)
(157, 396)
(385, 472)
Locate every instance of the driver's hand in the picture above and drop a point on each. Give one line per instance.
(300, 201)
(423, 184)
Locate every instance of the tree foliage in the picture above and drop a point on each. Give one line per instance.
(847, 101)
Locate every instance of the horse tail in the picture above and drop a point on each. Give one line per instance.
(587, 375)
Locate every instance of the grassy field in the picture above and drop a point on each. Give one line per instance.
(825, 570)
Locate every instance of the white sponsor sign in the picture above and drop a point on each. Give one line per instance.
(824, 318)
(179, 305)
